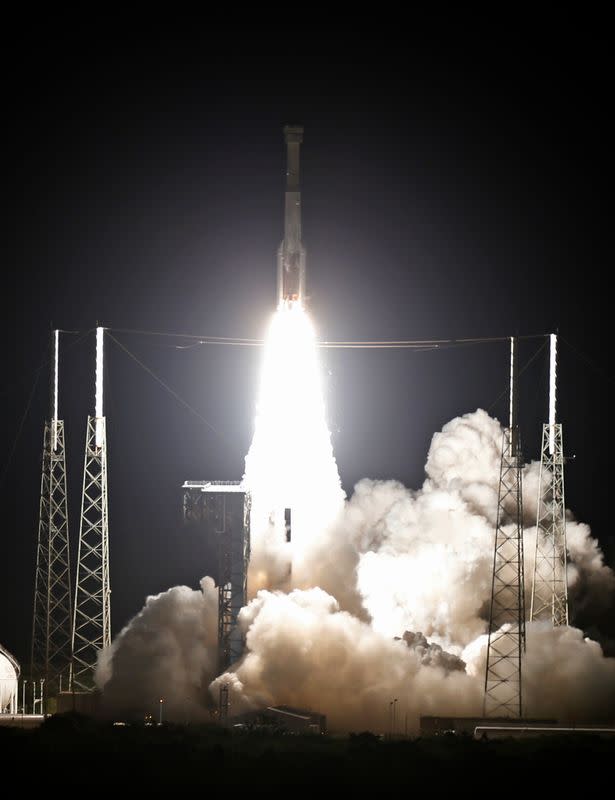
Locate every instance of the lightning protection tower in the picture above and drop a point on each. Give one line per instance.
(506, 644)
(92, 613)
(52, 619)
(549, 587)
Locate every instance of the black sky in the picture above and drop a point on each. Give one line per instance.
(444, 195)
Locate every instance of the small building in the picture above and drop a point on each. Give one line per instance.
(437, 726)
(281, 719)
(9, 675)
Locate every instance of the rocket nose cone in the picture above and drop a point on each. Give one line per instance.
(293, 133)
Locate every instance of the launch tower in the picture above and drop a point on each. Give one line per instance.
(223, 507)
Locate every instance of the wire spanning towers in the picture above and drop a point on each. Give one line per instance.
(51, 623)
(549, 587)
(506, 644)
(92, 611)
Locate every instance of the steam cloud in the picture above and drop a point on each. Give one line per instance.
(167, 652)
(389, 600)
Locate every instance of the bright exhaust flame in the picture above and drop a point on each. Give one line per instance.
(290, 465)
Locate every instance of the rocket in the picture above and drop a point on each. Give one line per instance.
(291, 253)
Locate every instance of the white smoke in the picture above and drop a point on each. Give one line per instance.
(303, 651)
(565, 675)
(428, 564)
(167, 652)
(393, 563)
(464, 458)
(376, 599)
(415, 561)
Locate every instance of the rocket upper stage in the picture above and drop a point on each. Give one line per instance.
(291, 253)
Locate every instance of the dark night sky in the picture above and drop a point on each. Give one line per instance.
(442, 197)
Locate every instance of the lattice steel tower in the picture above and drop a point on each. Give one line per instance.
(224, 509)
(550, 587)
(506, 644)
(92, 613)
(52, 618)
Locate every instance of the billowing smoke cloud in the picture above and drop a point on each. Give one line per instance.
(384, 596)
(432, 655)
(303, 651)
(428, 567)
(590, 580)
(464, 459)
(168, 651)
(422, 560)
(565, 676)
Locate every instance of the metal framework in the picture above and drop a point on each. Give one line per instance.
(92, 610)
(233, 530)
(550, 587)
(225, 509)
(506, 643)
(92, 618)
(52, 617)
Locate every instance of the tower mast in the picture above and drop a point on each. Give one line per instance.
(52, 618)
(506, 643)
(92, 615)
(549, 586)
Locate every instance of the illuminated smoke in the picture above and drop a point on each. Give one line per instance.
(168, 651)
(303, 651)
(403, 560)
(387, 595)
(565, 675)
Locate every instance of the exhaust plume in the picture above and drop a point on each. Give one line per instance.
(381, 597)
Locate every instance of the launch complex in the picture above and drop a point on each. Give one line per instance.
(72, 617)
